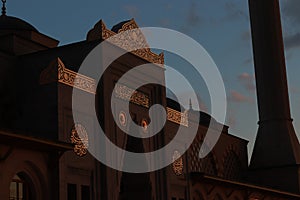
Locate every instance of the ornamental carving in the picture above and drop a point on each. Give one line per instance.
(101, 32)
(73, 79)
(177, 117)
(177, 163)
(56, 71)
(122, 118)
(129, 94)
(79, 138)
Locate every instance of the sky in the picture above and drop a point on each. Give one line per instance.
(222, 27)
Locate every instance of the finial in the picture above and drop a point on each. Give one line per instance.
(3, 7)
(191, 106)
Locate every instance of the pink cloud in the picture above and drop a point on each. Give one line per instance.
(248, 81)
(239, 98)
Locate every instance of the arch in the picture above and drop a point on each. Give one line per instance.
(21, 187)
(35, 180)
(32, 169)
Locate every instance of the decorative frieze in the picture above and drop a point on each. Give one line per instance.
(57, 72)
(129, 94)
(81, 82)
(177, 117)
(139, 98)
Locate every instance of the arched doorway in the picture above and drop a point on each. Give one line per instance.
(135, 186)
(21, 188)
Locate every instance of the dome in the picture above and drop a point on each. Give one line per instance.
(13, 23)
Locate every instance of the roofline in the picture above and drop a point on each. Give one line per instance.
(238, 137)
(57, 145)
(24, 38)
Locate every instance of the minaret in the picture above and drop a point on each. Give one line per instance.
(276, 156)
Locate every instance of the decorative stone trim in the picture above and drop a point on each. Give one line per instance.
(79, 138)
(177, 117)
(138, 98)
(68, 77)
(177, 164)
(56, 71)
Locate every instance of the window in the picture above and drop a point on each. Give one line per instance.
(18, 189)
(72, 192)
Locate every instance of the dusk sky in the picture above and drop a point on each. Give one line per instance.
(222, 27)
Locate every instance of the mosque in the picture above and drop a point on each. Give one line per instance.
(44, 154)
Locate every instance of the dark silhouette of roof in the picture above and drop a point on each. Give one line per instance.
(13, 23)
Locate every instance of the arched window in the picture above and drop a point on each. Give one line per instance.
(19, 189)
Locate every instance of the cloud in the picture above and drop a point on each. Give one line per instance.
(131, 10)
(239, 98)
(247, 81)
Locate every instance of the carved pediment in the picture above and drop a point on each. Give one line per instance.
(101, 32)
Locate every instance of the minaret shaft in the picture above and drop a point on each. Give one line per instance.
(269, 60)
(276, 149)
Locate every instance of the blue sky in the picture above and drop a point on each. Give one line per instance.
(221, 27)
